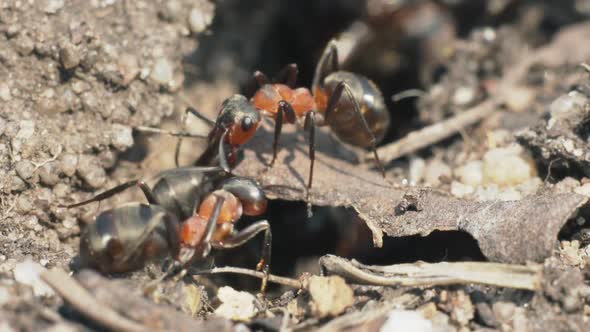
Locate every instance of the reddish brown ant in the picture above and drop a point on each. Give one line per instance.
(207, 200)
(350, 104)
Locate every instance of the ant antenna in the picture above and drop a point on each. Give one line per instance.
(410, 93)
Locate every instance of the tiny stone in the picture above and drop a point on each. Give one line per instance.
(24, 44)
(330, 296)
(163, 71)
(24, 204)
(68, 164)
(406, 320)
(519, 98)
(239, 306)
(507, 166)
(471, 173)
(417, 166)
(60, 190)
(121, 136)
(26, 129)
(461, 190)
(128, 68)
(69, 56)
(91, 172)
(52, 6)
(464, 96)
(79, 86)
(25, 169)
(200, 18)
(5, 92)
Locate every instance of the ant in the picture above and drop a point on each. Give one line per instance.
(350, 104)
(207, 200)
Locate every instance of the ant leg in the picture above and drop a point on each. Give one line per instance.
(261, 78)
(246, 235)
(288, 75)
(285, 110)
(149, 195)
(153, 130)
(309, 125)
(205, 243)
(336, 95)
(194, 112)
(327, 64)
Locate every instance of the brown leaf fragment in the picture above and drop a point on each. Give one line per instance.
(513, 232)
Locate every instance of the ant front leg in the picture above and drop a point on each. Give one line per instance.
(147, 191)
(285, 112)
(343, 87)
(194, 112)
(246, 235)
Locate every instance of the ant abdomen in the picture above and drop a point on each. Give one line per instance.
(344, 122)
(105, 244)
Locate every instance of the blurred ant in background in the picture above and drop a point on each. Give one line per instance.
(191, 210)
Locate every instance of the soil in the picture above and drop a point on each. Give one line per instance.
(77, 79)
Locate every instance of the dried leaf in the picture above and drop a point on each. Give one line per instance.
(512, 232)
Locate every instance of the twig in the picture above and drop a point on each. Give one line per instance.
(256, 274)
(432, 134)
(86, 304)
(427, 274)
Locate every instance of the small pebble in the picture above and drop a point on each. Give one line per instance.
(121, 136)
(91, 171)
(69, 56)
(52, 6)
(24, 44)
(17, 184)
(60, 190)
(417, 167)
(26, 129)
(507, 166)
(461, 190)
(406, 320)
(5, 92)
(330, 296)
(239, 306)
(163, 71)
(28, 273)
(25, 169)
(519, 98)
(200, 18)
(68, 164)
(464, 96)
(128, 68)
(471, 173)
(566, 103)
(583, 189)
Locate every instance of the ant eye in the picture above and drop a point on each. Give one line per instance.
(247, 124)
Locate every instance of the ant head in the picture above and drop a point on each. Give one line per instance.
(250, 194)
(240, 119)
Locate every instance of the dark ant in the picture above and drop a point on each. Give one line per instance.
(207, 200)
(350, 104)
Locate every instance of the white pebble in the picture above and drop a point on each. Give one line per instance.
(417, 166)
(463, 96)
(507, 166)
(163, 71)
(26, 129)
(5, 92)
(471, 173)
(236, 305)
(406, 320)
(29, 273)
(199, 19)
(583, 190)
(52, 6)
(461, 190)
(121, 136)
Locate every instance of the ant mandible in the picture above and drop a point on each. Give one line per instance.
(350, 104)
(207, 200)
